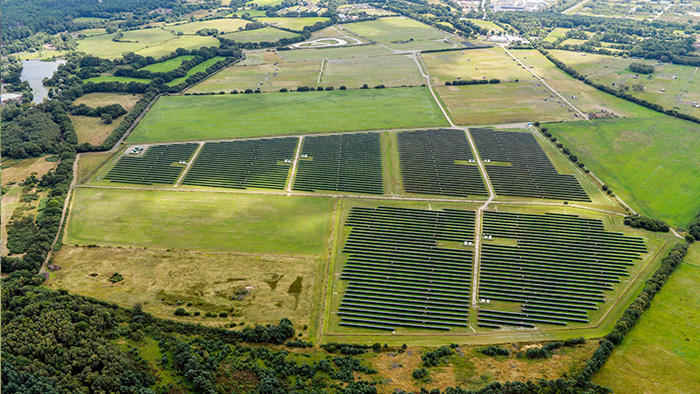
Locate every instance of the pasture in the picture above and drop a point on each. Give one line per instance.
(397, 70)
(182, 118)
(297, 55)
(422, 45)
(225, 25)
(92, 129)
(127, 100)
(651, 163)
(661, 353)
(297, 24)
(267, 77)
(200, 68)
(147, 42)
(483, 63)
(500, 103)
(200, 221)
(112, 78)
(168, 65)
(281, 285)
(394, 29)
(268, 34)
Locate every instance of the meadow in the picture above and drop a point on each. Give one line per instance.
(292, 23)
(267, 77)
(181, 118)
(168, 65)
(297, 55)
(165, 280)
(661, 353)
(127, 100)
(651, 163)
(200, 68)
(394, 29)
(394, 70)
(200, 221)
(485, 63)
(92, 129)
(500, 103)
(226, 25)
(147, 42)
(269, 34)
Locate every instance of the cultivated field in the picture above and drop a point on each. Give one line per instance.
(148, 42)
(650, 163)
(661, 353)
(200, 221)
(266, 77)
(394, 29)
(501, 103)
(181, 118)
(278, 286)
(269, 34)
(486, 63)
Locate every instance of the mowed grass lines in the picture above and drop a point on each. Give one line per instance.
(394, 29)
(241, 164)
(344, 162)
(266, 77)
(200, 221)
(180, 118)
(500, 103)
(559, 270)
(397, 274)
(438, 162)
(161, 164)
(652, 164)
(661, 353)
(396, 70)
(527, 172)
(483, 63)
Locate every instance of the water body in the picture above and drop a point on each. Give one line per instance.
(34, 71)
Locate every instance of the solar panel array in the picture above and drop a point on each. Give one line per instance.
(530, 173)
(158, 164)
(438, 162)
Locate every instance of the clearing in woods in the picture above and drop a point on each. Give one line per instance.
(182, 118)
(147, 42)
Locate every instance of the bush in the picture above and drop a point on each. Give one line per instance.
(434, 358)
(646, 223)
(181, 312)
(419, 374)
(492, 350)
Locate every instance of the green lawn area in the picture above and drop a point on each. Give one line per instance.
(661, 353)
(394, 29)
(168, 65)
(225, 25)
(154, 42)
(88, 20)
(292, 23)
(201, 67)
(396, 70)
(651, 163)
(297, 55)
(483, 63)
(112, 78)
(272, 77)
(487, 24)
(421, 45)
(181, 118)
(200, 221)
(269, 34)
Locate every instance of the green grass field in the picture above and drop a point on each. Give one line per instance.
(394, 29)
(421, 45)
(298, 55)
(126, 100)
(651, 163)
(226, 25)
(500, 103)
(483, 63)
(147, 42)
(267, 77)
(200, 221)
(394, 70)
(88, 20)
(181, 118)
(292, 23)
(168, 65)
(487, 24)
(661, 353)
(201, 67)
(269, 34)
(112, 78)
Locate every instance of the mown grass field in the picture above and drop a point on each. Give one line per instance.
(297, 55)
(200, 221)
(292, 23)
(651, 163)
(92, 129)
(421, 45)
(394, 70)
(147, 42)
(661, 353)
(128, 101)
(269, 34)
(181, 118)
(500, 103)
(486, 63)
(163, 281)
(226, 25)
(200, 68)
(267, 77)
(394, 29)
(168, 65)
(112, 78)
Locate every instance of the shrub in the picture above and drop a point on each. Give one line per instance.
(419, 374)
(492, 350)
